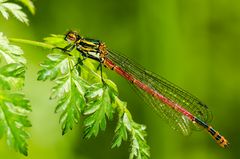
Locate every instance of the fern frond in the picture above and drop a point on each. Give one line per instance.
(69, 89)
(29, 4)
(99, 107)
(80, 92)
(15, 9)
(139, 148)
(14, 107)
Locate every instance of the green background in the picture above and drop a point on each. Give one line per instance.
(193, 43)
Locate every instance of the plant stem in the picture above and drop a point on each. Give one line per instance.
(30, 42)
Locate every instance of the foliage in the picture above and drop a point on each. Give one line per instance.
(139, 147)
(7, 7)
(29, 4)
(69, 88)
(80, 92)
(14, 107)
(99, 100)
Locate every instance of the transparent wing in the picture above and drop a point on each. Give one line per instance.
(174, 119)
(167, 89)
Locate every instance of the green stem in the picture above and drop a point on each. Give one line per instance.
(30, 42)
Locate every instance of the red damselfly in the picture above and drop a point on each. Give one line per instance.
(183, 111)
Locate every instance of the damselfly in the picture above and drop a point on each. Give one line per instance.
(183, 111)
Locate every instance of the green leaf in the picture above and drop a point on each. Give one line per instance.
(12, 76)
(29, 4)
(139, 147)
(137, 133)
(56, 65)
(11, 53)
(112, 86)
(94, 99)
(16, 70)
(14, 108)
(121, 129)
(69, 89)
(99, 107)
(13, 8)
(72, 102)
(120, 134)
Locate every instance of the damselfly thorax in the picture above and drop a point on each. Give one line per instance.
(90, 48)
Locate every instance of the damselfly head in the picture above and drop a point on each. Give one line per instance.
(72, 36)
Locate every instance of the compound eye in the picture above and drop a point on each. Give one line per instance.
(71, 37)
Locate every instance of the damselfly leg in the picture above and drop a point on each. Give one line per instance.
(100, 67)
(67, 49)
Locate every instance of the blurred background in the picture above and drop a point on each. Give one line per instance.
(193, 43)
